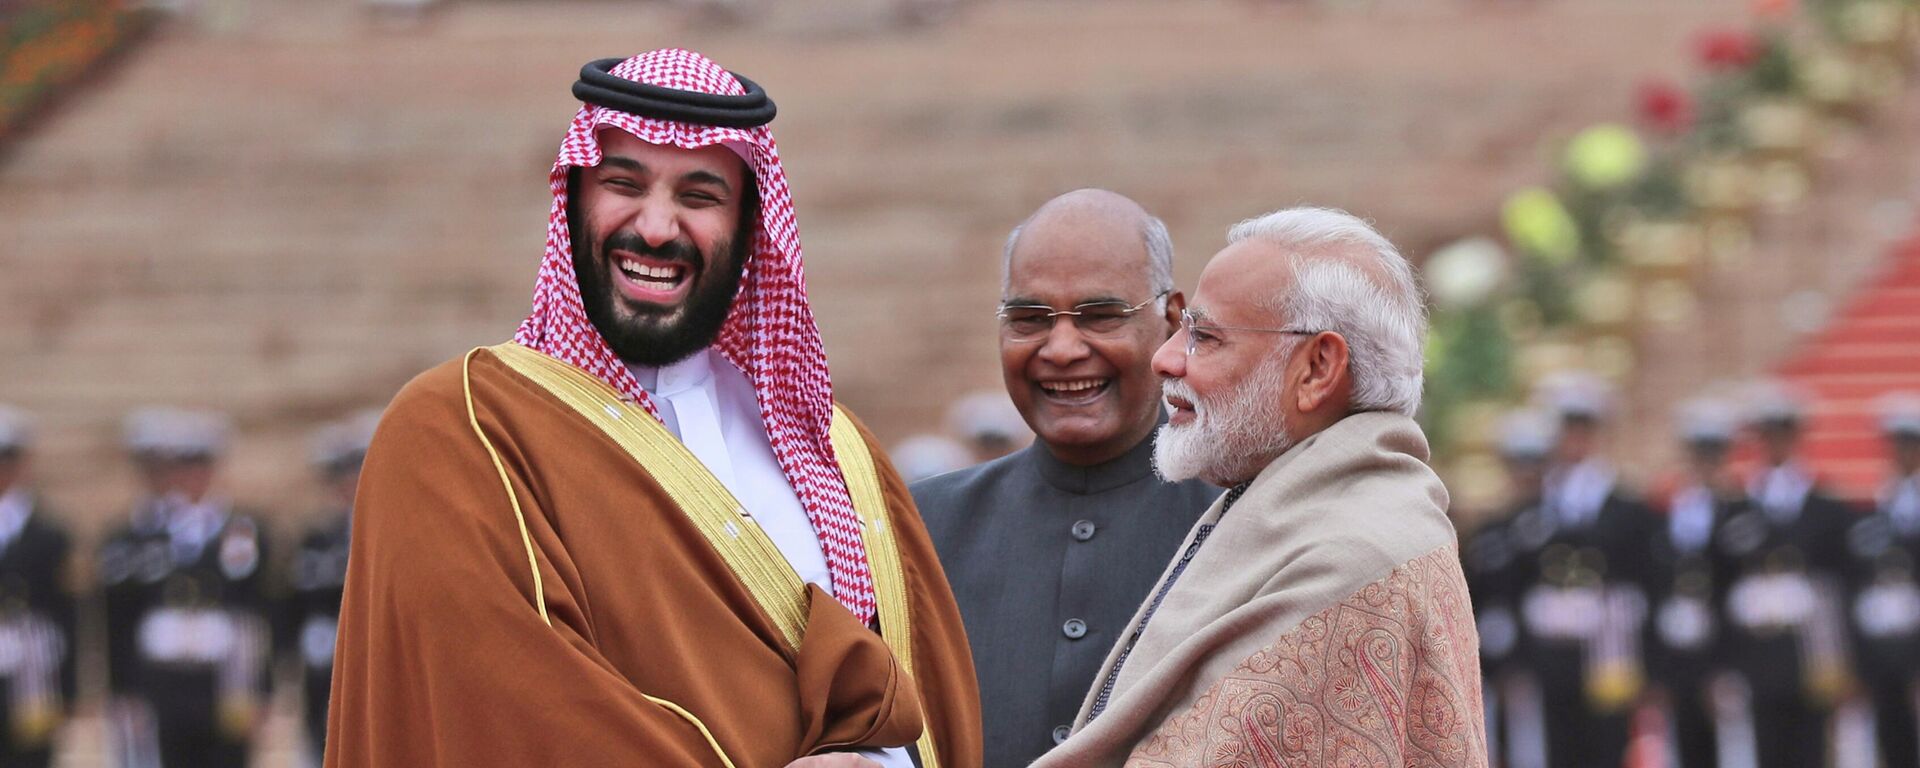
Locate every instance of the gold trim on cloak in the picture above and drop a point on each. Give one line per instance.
(723, 521)
(747, 549)
(883, 556)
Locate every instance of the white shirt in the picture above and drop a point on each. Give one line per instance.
(1690, 527)
(1901, 500)
(710, 406)
(1578, 492)
(1690, 521)
(15, 505)
(190, 525)
(1782, 491)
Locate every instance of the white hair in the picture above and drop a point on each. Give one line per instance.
(1153, 232)
(1348, 279)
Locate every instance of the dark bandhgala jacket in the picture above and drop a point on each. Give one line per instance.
(1049, 561)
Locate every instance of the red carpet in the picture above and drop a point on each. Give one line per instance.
(1871, 348)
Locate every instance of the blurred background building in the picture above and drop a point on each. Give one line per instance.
(284, 210)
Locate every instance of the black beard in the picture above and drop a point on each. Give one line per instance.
(658, 336)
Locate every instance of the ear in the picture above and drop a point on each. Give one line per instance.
(1324, 383)
(1176, 302)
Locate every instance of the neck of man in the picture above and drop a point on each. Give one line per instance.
(1253, 469)
(1102, 452)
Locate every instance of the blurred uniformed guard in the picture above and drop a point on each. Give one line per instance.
(1581, 573)
(1786, 632)
(1684, 633)
(1489, 564)
(36, 610)
(922, 456)
(319, 566)
(1885, 610)
(188, 638)
(989, 424)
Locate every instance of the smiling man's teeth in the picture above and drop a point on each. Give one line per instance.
(662, 277)
(1070, 387)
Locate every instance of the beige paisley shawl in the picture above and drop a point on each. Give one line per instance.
(1324, 622)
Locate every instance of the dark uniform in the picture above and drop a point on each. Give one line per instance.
(1885, 615)
(1785, 632)
(1488, 562)
(188, 630)
(36, 631)
(319, 574)
(1580, 574)
(1684, 633)
(1048, 562)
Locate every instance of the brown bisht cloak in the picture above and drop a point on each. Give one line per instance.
(522, 592)
(1322, 621)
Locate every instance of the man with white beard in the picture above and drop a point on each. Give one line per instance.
(1316, 615)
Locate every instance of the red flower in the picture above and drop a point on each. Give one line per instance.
(1664, 108)
(1722, 50)
(1774, 10)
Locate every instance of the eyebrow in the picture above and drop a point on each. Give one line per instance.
(697, 177)
(708, 177)
(624, 163)
(1025, 301)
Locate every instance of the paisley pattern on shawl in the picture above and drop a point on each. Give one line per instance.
(1387, 677)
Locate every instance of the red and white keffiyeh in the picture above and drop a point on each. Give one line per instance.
(770, 333)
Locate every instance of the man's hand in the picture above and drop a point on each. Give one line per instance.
(834, 760)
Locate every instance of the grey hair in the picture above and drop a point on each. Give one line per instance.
(1381, 312)
(1153, 232)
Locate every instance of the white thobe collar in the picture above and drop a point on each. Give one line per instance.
(687, 398)
(711, 407)
(675, 378)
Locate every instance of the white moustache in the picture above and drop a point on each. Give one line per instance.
(1172, 387)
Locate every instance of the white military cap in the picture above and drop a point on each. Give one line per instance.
(346, 440)
(986, 413)
(1527, 433)
(144, 429)
(1900, 414)
(16, 433)
(1706, 420)
(177, 433)
(1775, 402)
(1575, 394)
(922, 456)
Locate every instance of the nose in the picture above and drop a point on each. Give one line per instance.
(1064, 345)
(657, 223)
(1170, 360)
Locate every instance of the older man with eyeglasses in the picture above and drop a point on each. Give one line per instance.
(1051, 548)
(1316, 614)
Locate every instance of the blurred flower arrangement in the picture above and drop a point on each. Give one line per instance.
(1636, 214)
(44, 46)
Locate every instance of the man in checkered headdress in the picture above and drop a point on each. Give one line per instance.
(642, 532)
